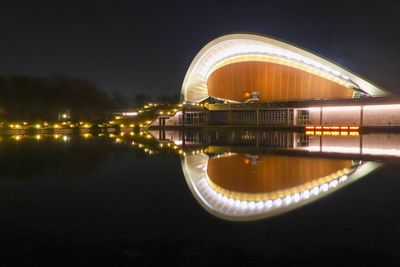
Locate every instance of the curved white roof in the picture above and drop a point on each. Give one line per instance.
(244, 47)
(195, 171)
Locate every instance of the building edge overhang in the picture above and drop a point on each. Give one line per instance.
(194, 87)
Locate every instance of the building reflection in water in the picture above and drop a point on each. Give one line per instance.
(249, 187)
(245, 175)
(234, 175)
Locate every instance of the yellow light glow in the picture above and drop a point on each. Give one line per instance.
(16, 137)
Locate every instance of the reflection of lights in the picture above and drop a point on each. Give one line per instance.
(378, 151)
(56, 136)
(16, 137)
(65, 138)
(239, 206)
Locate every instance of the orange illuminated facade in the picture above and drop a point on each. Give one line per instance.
(270, 173)
(271, 81)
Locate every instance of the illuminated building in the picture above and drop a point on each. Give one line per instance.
(247, 79)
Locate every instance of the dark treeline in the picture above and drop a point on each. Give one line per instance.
(121, 101)
(28, 98)
(36, 99)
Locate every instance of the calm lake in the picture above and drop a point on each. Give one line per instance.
(200, 197)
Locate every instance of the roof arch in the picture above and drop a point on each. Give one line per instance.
(234, 48)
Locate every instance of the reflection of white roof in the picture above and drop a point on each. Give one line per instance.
(237, 47)
(195, 171)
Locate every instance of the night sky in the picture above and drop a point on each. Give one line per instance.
(147, 46)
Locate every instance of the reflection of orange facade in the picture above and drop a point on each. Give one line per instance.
(273, 81)
(269, 173)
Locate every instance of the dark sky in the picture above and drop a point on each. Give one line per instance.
(146, 46)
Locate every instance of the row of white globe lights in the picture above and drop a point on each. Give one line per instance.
(242, 207)
(287, 55)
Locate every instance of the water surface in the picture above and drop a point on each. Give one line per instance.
(216, 197)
